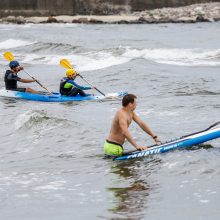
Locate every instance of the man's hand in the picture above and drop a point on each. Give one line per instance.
(21, 68)
(157, 141)
(34, 80)
(141, 148)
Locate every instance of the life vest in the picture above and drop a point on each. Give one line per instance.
(11, 82)
(64, 91)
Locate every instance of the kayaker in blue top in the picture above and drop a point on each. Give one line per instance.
(69, 87)
(11, 78)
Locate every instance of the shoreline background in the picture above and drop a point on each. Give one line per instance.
(207, 12)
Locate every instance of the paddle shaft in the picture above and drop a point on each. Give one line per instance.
(37, 81)
(91, 84)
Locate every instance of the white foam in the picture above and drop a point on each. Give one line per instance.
(184, 57)
(56, 185)
(94, 60)
(82, 62)
(24, 118)
(177, 56)
(22, 196)
(13, 43)
(204, 201)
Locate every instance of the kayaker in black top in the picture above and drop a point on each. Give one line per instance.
(11, 78)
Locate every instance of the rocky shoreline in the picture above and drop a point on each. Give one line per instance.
(207, 12)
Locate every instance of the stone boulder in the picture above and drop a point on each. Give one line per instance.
(51, 19)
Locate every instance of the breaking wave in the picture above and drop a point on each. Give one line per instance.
(38, 119)
(13, 43)
(52, 53)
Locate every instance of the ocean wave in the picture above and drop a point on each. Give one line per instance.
(52, 48)
(82, 62)
(176, 56)
(200, 92)
(13, 43)
(106, 58)
(38, 119)
(94, 60)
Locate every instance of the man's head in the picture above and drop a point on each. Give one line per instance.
(71, 73)
(14, 65)
(129, 100)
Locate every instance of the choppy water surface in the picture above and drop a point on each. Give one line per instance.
(51, 160)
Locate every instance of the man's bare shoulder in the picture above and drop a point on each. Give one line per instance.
(121, 112)
(124, 114)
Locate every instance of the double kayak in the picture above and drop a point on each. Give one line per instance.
(57, 97)
(200, 137)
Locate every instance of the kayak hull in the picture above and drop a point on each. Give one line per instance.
(183, 142)
(56, 97)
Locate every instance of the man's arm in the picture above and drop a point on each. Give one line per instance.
(124, 128)
(145, 127)
(78, 86)
(26, 80)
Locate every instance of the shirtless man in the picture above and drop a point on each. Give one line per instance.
(119, 129)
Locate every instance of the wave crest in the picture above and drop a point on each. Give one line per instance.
(13, 43)
(51, 54)
(38, 119)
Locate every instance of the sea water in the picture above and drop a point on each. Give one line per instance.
(51, 160)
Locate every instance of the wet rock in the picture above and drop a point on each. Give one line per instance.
(13, 19)
(186, 20)
(81, 20)
(95, 21)
(20, 20)
(123, 22)
(52, 19)
(10, 19)
(200, 18)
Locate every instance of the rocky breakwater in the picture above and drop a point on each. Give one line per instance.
(207, 12)
(188, 14)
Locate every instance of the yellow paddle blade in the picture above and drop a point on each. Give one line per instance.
(8, 56)
(66, 64)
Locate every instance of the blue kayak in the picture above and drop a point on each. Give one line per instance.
(208, 134)
(57, 97)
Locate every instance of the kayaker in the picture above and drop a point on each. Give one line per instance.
(11, 78)
(119, 129)
(69, 87)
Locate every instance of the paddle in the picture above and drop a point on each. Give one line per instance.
(66, 64)
(9, 56)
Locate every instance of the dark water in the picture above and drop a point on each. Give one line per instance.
(51, 160)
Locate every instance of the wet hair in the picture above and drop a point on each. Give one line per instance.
(129, 98)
